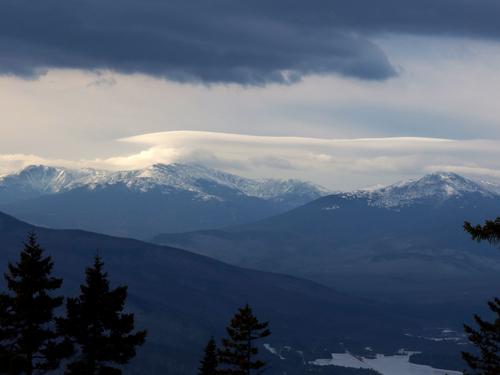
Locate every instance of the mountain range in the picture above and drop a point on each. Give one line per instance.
(142, 203)
(406, 270)
(402, 243)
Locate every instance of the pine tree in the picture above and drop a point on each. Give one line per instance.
(96, 324)
(29, 341)
(209, 363)
(487, 339)
(238, 352)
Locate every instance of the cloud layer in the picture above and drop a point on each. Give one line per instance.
(334, 163)
(224, 41)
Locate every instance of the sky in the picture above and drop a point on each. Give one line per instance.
(346, 94)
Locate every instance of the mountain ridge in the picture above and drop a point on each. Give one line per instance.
(436, 185)
(366, 240)
(44, 179)
(184, 298)
(142, 203)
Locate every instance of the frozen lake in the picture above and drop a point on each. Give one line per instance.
(386, 365)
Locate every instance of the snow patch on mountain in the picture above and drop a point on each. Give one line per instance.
(490, 186)
(274, 351)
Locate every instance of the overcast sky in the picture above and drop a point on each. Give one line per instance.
(343, 93)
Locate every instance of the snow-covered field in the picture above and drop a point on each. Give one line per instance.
(385, 365)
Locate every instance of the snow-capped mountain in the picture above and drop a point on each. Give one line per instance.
(37, 180)
(200, 179)
(437, 187)
(41, 180)
(142, 203)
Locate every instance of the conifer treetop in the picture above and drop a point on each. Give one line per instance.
(238, 353)
(210, 362)
(486, 339)
(98, 327)
(29, 341)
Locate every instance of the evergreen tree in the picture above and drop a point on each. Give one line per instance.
(238, 352)
(29, 342)
(96, 324)
(209, 363)
(487, 339)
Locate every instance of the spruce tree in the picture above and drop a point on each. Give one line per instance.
(96, 324)
(209, 363)
(486, 361)
(29, 342)
(238, 353)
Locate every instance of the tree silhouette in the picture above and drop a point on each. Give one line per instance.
(487, 338)
(490, 231)
(209, 363)
(29, 341)
(238, 352)
(96, 324)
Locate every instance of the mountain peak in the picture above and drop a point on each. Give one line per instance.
(444, 177)
(170, 166)
(198, 178)
(438, 186)
(36, 167)
(449, 182)
(35, 180)
(39, 170)
(39, 178)
(178, 168)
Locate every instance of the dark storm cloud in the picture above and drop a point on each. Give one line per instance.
(246, 42)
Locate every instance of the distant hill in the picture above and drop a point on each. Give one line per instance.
(403, 242)
(145, 202)
(183, 299)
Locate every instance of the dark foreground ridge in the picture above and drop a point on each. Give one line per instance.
(183, 299)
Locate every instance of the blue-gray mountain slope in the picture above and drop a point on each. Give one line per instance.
(404, 242)
(183, 299)
(142, 203)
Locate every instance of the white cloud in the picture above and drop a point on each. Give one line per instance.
(182, 137)
(447, 88)
(14, 162)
